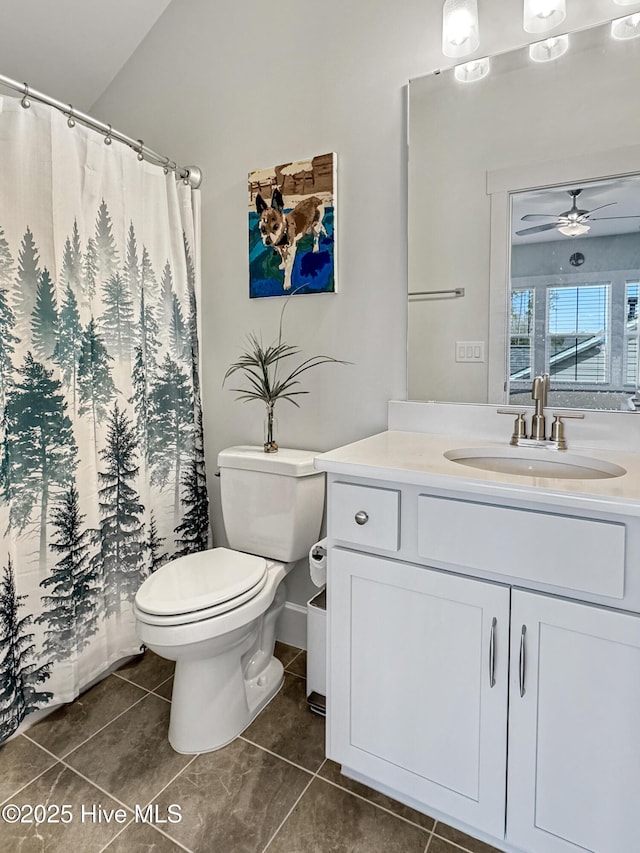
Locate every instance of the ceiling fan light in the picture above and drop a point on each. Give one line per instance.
(626, 28)
(551, 48)
(472, 71)
(539, 16)
(574, 229)
(460, 30)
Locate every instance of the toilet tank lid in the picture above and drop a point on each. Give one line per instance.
(289, 463)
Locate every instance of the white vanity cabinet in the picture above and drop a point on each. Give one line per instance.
(436, 694)
(418, 696)
(574, 727)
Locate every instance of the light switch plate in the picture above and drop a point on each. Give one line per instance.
(468, 351)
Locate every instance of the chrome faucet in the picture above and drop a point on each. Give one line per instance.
(539, 393)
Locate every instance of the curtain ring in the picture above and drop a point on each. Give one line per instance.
(25, 102)
(165, 168)
(140, 154)
(107, 138)
(187, 175)
(70, 119)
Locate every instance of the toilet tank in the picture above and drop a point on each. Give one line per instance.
(272, 503)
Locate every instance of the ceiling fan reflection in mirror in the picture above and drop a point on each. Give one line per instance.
(570, 223)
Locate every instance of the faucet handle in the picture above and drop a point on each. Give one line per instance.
(557, 427)
(519, 425)
(568, 415)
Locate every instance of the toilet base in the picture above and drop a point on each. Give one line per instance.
(258, 696)
(261, 690)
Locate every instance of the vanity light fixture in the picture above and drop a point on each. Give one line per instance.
(574, 229)
(542, 15)
(551, 48)
(626, 28)
(460, 34)
(472, 71)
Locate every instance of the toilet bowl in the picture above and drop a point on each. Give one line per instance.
(214, 612)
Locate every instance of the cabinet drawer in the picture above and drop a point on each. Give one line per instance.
(378, 510)
(580, 554)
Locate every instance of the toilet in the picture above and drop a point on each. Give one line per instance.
(214, 612)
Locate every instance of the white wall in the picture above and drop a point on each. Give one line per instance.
(72, 49)
(237, 86)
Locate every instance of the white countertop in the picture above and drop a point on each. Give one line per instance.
(418, 458)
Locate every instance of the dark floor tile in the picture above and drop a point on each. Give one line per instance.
(288, 728)
(20, 762)
(331, 771)
(148, 670)
(461, 839)
(131, 758)
(59, 785)
(298, 666)
(142, 838)
(233, 799)
(328, 819)
(165, 689)
(285, 653)
(437, 845)
(68, 726)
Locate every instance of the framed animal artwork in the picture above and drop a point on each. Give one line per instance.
(292, 228)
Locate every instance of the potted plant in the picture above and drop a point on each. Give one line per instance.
(270, 377)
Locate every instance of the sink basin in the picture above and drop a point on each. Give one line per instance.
(535, 462)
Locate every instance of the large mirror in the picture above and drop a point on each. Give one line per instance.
(524, 228)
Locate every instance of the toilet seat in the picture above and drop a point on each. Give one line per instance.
(198, 615)
(199, 586)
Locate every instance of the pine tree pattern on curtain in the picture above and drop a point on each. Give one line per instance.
(102, 472)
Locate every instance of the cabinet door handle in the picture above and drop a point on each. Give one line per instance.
(492, 653)
(361, 517)
(523, 660)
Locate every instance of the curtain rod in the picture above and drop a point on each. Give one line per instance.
(191, 175)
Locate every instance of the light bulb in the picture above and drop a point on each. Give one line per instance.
(472, 71)
(626, 28)
(460, 27)
(542, 15)
(551, 48)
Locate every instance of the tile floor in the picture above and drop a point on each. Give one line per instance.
(271, 790)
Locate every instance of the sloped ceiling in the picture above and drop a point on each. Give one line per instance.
(72, 49)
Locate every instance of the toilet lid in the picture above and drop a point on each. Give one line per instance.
(201, 580)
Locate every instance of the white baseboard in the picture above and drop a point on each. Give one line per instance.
(292, 625)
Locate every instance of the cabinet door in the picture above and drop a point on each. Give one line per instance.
(418, 683)
(574, 736)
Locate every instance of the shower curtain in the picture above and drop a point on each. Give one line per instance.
(102, 474)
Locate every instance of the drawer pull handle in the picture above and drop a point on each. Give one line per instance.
(492, 653)
(361, 517)
(523, 661)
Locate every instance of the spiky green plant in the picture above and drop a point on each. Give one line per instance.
(269, 377)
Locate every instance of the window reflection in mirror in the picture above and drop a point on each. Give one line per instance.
(575, 277)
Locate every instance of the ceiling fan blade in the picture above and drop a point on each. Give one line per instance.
(536, 229)
(593, 209)
(602, 218)
(530, 216)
